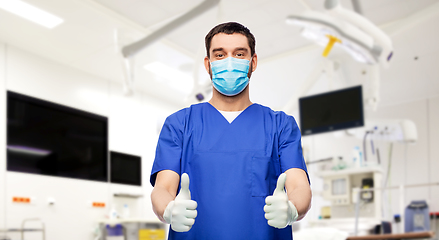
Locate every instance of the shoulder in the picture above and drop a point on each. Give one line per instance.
(280, 117)
(182, 116)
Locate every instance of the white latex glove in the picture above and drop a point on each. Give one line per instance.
(279, 211)
(181, 212)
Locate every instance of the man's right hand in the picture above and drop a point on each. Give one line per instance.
(181, 212)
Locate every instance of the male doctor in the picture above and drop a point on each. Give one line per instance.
(230, 168)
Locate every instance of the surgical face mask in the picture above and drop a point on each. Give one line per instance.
(230, 75)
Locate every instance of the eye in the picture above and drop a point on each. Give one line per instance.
(240, 54)
(219, 55)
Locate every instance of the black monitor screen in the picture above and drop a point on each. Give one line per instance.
(51, 139)
(126, 169)
(331, 111)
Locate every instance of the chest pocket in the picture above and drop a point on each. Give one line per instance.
(260, 176)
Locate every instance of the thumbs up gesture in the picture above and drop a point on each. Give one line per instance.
(279, 211)
(181, 212)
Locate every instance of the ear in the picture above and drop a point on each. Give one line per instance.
(254, 62)
(207, 64)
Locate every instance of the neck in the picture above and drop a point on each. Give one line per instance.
(236, 103)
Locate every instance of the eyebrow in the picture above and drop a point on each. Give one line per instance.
(218, 49)
(236, 49)
(241, 49)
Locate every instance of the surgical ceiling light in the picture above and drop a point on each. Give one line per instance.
(129, 51)
(358, 36)
(31, 13)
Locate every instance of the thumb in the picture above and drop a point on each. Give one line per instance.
(184, 194)
(280, 184)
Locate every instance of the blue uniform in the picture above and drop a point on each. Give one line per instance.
(232, 167)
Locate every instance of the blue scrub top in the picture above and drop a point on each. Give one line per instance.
(232, 167)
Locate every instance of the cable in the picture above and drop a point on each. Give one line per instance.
(364, 145)
(389, 164)
(378, 156)
(372, 147)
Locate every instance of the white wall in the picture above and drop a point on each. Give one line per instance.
(433, 149)
(2, 137)
(410, 162)
(132, 130)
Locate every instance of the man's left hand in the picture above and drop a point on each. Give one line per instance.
(279, 211)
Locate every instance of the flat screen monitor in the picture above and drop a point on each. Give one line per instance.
(331, 111)
(126, 168)
(55, 140)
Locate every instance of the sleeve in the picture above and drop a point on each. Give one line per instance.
(290, 145)
(169, 147)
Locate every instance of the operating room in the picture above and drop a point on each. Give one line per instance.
(84, 98)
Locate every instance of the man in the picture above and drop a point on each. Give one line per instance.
(234, 153)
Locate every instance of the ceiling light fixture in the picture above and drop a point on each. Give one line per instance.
(31, 13)
(28, 150)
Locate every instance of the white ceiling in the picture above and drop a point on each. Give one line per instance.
(86, 39)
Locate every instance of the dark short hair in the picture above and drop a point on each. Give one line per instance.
(230, 28)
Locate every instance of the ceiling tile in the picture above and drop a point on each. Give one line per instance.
(205, 21)
(280, 45)
(251, 18)
(386, 13)
(58, 8)
(176, 7)
(416, 5)
(233, 7)
(279, 10)
(320, 5)
(85, 40)
(374, 4)
(275, 30)
(38, 40)
(146, 13)
(348, 4)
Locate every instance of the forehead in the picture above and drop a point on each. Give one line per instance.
(229, 41)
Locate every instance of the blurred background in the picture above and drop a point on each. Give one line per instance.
(71, 90)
